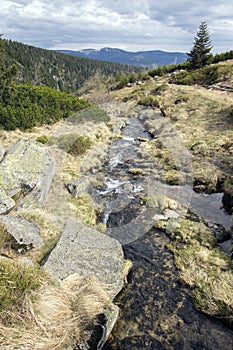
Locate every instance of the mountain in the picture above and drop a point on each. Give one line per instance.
(148, 59)
(57, 70)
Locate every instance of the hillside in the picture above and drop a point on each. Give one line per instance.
(65, 72)
(151, 170)
(147, 59)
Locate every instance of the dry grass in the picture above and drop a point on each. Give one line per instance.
(209, 274)
(55, 317)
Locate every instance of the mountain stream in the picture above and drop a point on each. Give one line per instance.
(156, 311)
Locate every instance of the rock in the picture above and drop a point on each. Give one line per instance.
(99, 335)
(77, 187)
(25, 233)
(84, 250)
(6, 203)
(227, 199)
(2, 152)
(26, 173)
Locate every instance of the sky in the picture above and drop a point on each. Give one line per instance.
(133, 25)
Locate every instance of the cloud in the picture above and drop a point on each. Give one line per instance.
(131, 25)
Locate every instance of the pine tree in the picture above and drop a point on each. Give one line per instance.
(200, 52)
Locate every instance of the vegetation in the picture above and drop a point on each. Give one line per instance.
(73, 144)
(17, 280)
(25, 106)
(93, 114)
(58, 70)
(205, 76)
(204, 267)
(200, 52)
(150, 101)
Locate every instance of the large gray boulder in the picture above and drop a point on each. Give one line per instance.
(87, 252)
(26, 173)
(25, 233)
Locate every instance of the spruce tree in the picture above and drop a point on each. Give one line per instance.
(200, 52)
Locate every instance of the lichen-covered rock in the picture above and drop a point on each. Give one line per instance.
(25, 233)
(6, 203)
(26, 173)
(2, 152)
(77, 187)
(84, 250)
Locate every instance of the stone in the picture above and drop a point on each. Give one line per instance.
(77, 187)
(25, 233)
(26, 173)
(6, 203)
(2, 152)
(87, 252)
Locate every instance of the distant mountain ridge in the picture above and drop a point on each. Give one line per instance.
(148, 59)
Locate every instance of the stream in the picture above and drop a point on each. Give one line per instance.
(156, 311)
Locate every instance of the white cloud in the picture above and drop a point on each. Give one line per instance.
(133, 25)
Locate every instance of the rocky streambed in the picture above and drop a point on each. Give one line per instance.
(156, 310)
(140, 188)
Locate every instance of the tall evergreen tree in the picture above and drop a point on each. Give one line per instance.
(200, 52)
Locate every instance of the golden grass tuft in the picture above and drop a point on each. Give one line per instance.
(55, 316)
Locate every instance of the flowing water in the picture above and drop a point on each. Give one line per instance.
(156, 310)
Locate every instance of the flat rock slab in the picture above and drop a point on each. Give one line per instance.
(26, 171)
(25, 233)
(86, 251)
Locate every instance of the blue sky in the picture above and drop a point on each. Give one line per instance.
(133, 25)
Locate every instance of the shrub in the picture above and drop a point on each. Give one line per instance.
(26, 106)
(42, 139)
(80, 146)
(72, 143)
(149, 101)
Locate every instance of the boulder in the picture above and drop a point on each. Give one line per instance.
(2, 152)
(87, 252)
(26, 173)
(25, 233)
(77, 187)
(6, 203)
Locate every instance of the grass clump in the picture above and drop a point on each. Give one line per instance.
(73, 144)
(150, 101)
(203, 267)
(93, 114)
(17, 280)
(84, 208)
(42, 139)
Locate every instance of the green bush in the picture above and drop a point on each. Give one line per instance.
(42, 139)
(80, 146)
(149, 101)
(72, 143)
(204, 76)
(26, 106)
